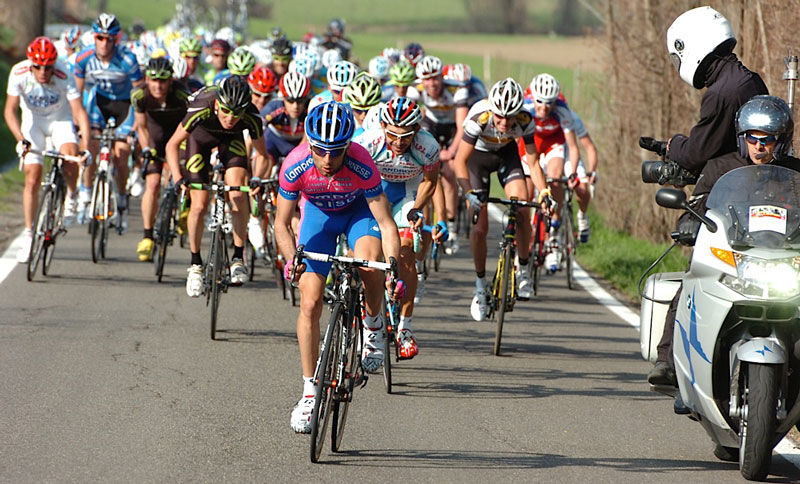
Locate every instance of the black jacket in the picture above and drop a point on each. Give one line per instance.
(730, 84)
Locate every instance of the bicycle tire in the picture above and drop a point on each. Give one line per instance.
(164, 224)
(348, 359)
(324, 374)
(569, 247)
(54, 221)
(387, 344)
(104, 223)
(216, 280)
(273, 257)
(437, 257)
(292, 295)
(537, 250)
(37, 243)
(94, 220)
(505, 273)
(251, 261)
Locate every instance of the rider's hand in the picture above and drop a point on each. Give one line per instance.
(543, 195)
(255, 185)
(287, 271)
(592, 175)
(415, 218)
(23, 146)
(573, 181)
(399, 290)
(440, 232)
(86, 156)
(474, 200)
(148, 154)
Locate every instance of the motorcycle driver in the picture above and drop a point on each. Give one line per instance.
(700, 44)
(764, 129)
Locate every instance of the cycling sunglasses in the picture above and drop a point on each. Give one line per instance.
(282, 58)
(39, 68)
(763, 140)
(229, 112)
(295, 100)
(322, 152)
(159, 75)
(103, 38)
(546, 103)
(392, 136)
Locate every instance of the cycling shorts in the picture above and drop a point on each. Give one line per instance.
(443, 132)
(100, 109)
(36, 129)
(319, 230)
(231, 153)
(504, 161)
(278, 147)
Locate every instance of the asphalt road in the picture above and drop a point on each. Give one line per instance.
(108, 376)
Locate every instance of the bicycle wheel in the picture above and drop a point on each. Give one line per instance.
(96, 211)
(251, 261)
(164, 227)
(39, 230)
(537, 250)
(217, 277)
(569, 247)
(349, 364)
(506, 259)
(387, 344)
(107, 198)
(274, 259)
(55, 222)
(325, 373)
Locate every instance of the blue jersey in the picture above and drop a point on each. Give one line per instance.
(113, 80)
(221, 75)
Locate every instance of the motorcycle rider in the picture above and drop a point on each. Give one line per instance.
(700, 44)
(764, 128)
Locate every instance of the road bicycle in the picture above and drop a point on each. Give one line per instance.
(503, 293)
(338, 370)
(567, 235)
(540, 229)
(166, 226)
(103, 207)
(49, 219)
(269, 252)
(217, 270)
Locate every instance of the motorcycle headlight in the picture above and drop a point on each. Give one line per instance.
(764, 279)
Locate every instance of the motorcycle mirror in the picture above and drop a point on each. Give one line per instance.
(671, 198)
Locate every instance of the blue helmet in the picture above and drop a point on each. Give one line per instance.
(106, 23)
(330, 125)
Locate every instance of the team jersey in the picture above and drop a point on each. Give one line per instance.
(113, 80)
(358, 177)
(401, 175)
(387, 92)
(475, 87)
(479, 128)
(441, 110)
(220, 76)
(162, 118)
(323, 97)
(201, 115)
(550, 130)
(279, 122)
(51, 99)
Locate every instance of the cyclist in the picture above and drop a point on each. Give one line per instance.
(408, 160)
(334, 38)
(220, 50)
(241, 62)
(281, 56)
(489, 145)
(262, 85)
(460, 75)
(341, 190)
(284, 118)
(190, 49)
(340, 75)
(69, 45)
(48, 98)
(363, 95)
(158, 106)
(445, 112)
(113, 73)
(401, 77)
(413, 53)
(216, 118)
(379, 68)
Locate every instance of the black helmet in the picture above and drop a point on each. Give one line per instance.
(234, 93)
(159, 68)
(281, 46)
(336, 26)
(769, 114)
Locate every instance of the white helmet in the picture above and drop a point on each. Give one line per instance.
(392, 54)
(692, 37)
(379, 68)
(341, 74)
(227, 34)
(179, 67)
(314, 58)
(544, 87)
(429, 66)
(331, 57)
(303, 65)
(505, 97)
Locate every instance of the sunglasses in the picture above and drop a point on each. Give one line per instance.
(159, 76)
(228, 111)
(359, 111)
(546, 103)
(218, 54)
(295, 100)
(261, 95)
(282, 58)
(763, 140)
(103, 38)
(190, 55)
(392, 136)
(39, 68)
(322, 152)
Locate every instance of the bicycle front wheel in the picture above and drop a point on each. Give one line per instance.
(325, 374)
(387, 345)
(55, 223)
(39, 230)
(217, 277)
(569, 248)
(349, 366)
(164, 221)
(503, 292)
(97, 216)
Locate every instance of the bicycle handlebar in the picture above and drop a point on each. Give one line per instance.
(216, 188)
(56, 155)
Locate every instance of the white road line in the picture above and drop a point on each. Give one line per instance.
(8, 261)
(786, 448)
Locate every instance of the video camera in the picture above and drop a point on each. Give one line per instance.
(664, 171)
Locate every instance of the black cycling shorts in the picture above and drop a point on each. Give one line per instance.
(443, 133)
(119, 109)
(231, 152)
(504, 161)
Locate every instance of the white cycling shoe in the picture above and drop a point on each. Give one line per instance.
(479, 308)
(552, 261)
(24, 251)
(372, 355)
(524, 284)
(301, 415)
(238, 272)
(194, 281)
(254, 233)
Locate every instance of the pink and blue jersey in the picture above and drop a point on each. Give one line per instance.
(357, 178)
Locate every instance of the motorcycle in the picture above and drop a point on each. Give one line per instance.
(737, 340)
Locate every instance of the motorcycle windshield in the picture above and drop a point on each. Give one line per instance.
(760, 205)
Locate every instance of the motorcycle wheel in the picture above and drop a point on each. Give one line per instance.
(757, 424)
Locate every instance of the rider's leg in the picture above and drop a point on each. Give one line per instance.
(122, 151)
(555, 169)
(150, 199)
(30, 195)
(517, 188)
(240, 203)
(312, 286)
(197, 213)
(448, 181)
(69, 169)
(369, 248)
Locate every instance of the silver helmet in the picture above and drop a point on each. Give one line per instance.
(769, 114)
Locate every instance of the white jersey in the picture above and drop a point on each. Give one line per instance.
(479, 128)
(441, 110)
(51, 99)
(401, 175)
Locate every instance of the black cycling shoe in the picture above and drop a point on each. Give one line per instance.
(679, 407)
(662, 374)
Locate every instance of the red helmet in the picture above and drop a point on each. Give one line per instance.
(262, 80)
(42, 52)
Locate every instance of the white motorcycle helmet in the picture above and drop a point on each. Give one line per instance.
(692, 37)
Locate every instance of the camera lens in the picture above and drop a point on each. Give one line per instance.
(651, 171)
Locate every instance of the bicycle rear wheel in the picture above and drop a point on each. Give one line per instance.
(274, 259)
(507, 259)
(39, 230)
(325, 373)
(55, 222)
(387, 344)
(569, 247)
(350, 365)
(251, 261)
(217, 275)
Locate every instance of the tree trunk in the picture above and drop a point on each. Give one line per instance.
(23, 21)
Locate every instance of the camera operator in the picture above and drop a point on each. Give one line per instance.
(700, 44)
(763, 132)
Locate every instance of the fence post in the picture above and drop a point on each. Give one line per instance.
(487, 67)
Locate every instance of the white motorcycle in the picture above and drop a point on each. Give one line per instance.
(737, 337)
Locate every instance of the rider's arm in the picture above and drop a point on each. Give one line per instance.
(463, 154)
(426, 188)
(263, 164)
(574, 152)
(10, 113)
(390, 238)
(80, 83)
(173, 152)
(532, 158)
(591, 154)
(140, 121)
(83, 122)
(284, 235)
